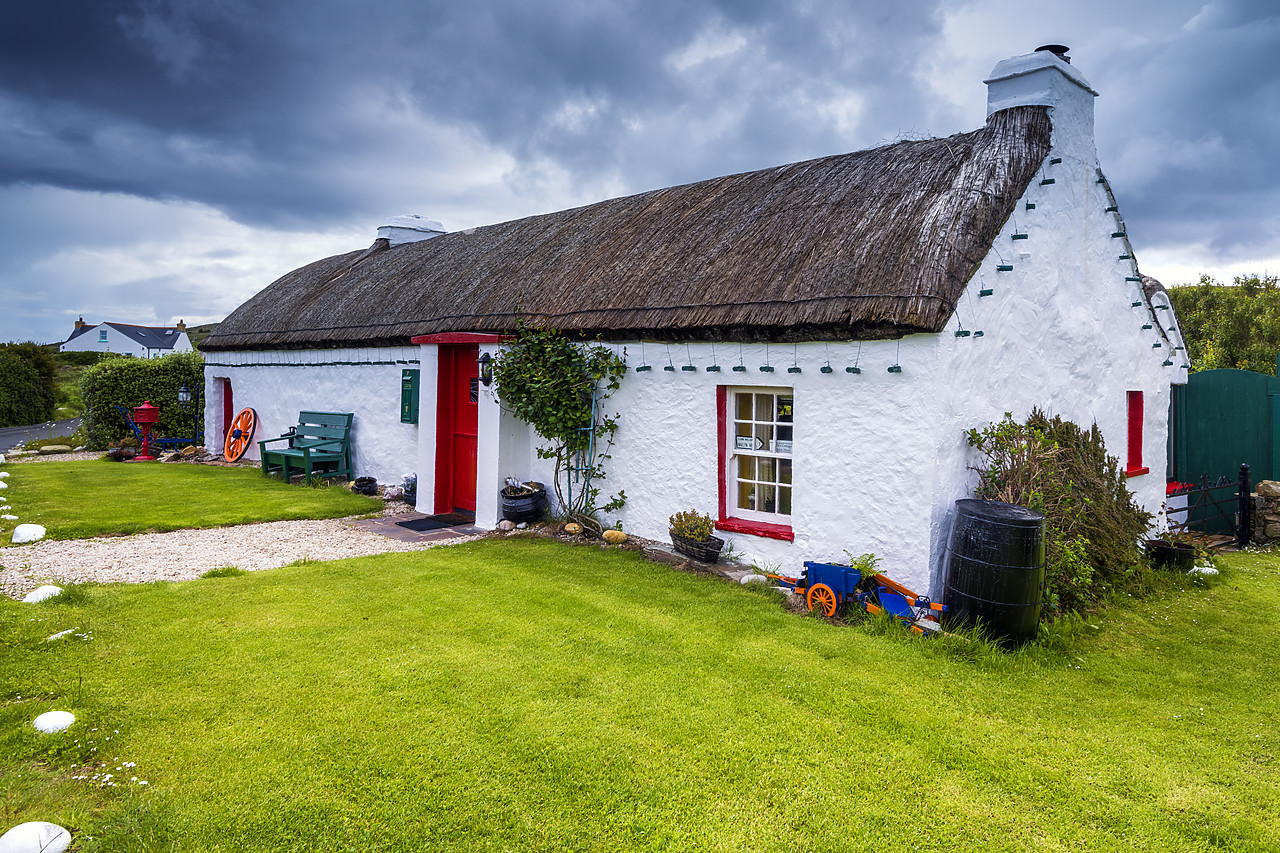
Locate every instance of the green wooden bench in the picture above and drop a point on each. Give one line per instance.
(319, 446)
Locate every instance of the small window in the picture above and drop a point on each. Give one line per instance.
(102, 336)
(1133, 461)
(756, 444)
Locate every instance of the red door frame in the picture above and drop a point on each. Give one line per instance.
(228, 407)
(456, 421)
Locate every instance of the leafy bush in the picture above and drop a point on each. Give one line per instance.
(28, 384)
(86, 358)
(1092, 524)
(691, 525)
(128, 382)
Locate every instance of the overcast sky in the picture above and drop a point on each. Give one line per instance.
(166, 159)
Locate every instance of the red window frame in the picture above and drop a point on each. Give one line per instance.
(725, 521)
(1133, 460)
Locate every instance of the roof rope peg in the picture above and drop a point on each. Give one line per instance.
(690, 367)
(896, 367)
(1018, 235)
(671, 367)
(795, 365)
(1053, 161)
(855, 369)
(713, 367)
(826, 367)
(983, 290)
(739, 367)
(766, 367)
(643, 367)
(1003, 266)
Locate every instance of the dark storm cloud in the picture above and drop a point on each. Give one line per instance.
(248, 106)
(1199, 118)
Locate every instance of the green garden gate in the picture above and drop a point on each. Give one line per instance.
(1222, 418)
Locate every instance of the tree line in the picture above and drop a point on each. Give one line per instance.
(1230, 325)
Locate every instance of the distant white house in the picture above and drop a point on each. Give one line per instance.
(140, 341)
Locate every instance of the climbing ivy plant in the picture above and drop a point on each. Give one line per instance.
(558, 386)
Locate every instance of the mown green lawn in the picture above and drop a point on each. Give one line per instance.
(523, 695)
(75, 500)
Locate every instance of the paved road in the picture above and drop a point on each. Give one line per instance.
(9, 436)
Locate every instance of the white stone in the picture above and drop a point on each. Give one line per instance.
(24, 533)
(3, 484)
(41, 593)
(9, 517)
(754, 579)
(3, 474)
(55, 721)
(59, 635)
(1, 458)
(36, 836)
(1204, 571)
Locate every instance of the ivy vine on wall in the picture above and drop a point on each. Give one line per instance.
(558, 386)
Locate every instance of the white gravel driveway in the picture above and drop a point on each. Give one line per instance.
(187, 554)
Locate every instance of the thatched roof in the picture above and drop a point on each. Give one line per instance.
(872, 244)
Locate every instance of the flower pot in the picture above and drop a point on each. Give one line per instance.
(1171, 555)
(704, 550)
(527, 504)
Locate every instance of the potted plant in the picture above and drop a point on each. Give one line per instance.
(523, 501)
(691, 535)
(1172, 553)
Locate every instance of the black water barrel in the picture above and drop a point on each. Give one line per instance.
(995, 571)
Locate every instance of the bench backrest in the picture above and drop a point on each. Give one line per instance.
(335, 425)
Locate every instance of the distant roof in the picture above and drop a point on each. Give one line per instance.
(155, 337)
(872, 244)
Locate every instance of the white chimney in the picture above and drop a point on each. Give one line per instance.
(410, 228)
(1046, 77)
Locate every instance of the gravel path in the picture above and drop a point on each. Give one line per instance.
(187, 554)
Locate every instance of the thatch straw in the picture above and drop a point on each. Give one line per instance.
(873, 244)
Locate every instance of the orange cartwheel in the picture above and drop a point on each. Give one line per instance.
(240, 434)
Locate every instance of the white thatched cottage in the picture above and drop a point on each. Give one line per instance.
(864, 310)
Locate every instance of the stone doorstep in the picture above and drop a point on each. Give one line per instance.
(387, 526)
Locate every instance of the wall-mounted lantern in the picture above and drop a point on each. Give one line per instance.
(486, 369)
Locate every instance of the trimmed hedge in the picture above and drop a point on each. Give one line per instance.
(28, 384)
(128, 382)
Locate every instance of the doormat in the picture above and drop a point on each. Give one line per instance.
(438, 522)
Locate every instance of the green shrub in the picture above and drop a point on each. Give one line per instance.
(86, 358)
(28, 384)
(1092, 525)
(691, 525)
(128, 382)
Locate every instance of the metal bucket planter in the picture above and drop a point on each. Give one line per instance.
(528, 505)
(703, 550)
(1178, 556)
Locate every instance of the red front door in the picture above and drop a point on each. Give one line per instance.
(456, 410)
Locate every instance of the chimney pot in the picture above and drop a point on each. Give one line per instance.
(1058, 50)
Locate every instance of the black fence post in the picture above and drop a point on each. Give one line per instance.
(1244, 520)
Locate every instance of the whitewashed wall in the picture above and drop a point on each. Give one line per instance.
(280, 384)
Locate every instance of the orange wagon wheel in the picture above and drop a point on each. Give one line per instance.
(240, 435)
(822, 597)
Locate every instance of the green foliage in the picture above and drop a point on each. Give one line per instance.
(557, 386)
(87, 358)
(1231, 325)
(128, 382)
(1092, 522)
(865, 564)
(692, 525)
(28, 384)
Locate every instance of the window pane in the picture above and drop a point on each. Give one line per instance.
(784, 471)
(784, 500)
(784, 433)
(768, 498)
(764, 437)
(746, 467)
(747, 495)
(785, 409)
(768, 471)
(744, 407)
(764, 407)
